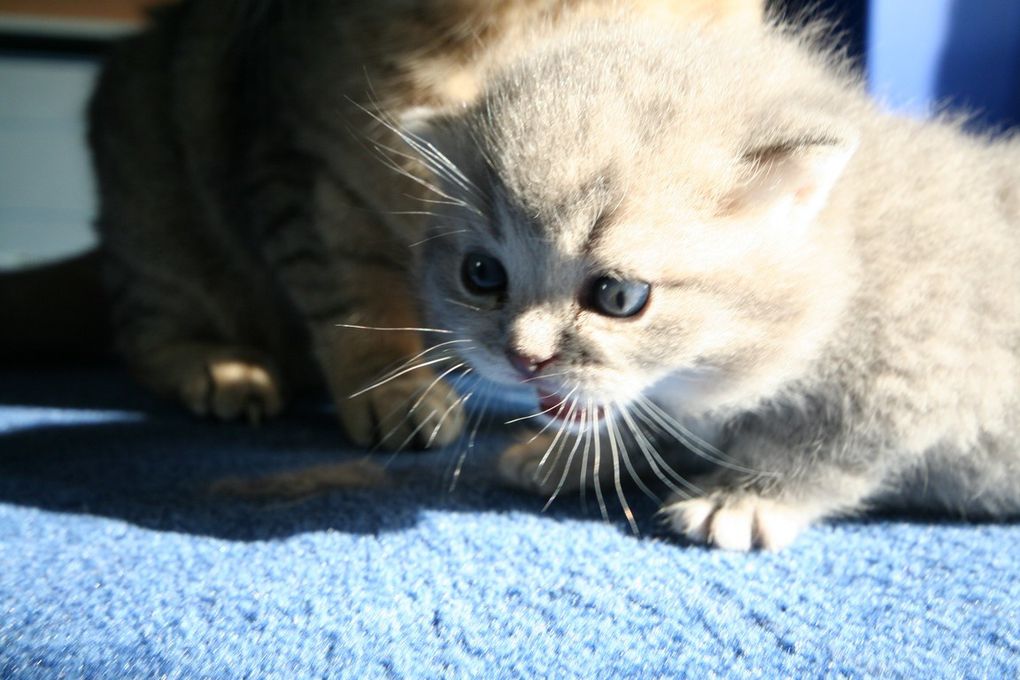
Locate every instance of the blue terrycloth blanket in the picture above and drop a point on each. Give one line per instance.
(116, 561)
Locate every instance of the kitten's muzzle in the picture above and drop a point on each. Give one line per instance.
(528, 366)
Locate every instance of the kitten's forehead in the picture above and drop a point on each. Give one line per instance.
(608, 138)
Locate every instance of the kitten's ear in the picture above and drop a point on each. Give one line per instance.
(419, 120)
(791, 181)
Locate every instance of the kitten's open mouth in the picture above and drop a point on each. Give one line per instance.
(557, 407)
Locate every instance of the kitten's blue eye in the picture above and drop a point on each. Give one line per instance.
(483, 274)
(616, 298)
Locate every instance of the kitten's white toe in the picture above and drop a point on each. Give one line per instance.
(739, 521)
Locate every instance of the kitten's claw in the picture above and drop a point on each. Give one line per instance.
(739, 521)
(229, 388)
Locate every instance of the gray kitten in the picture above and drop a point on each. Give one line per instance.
(670, 230)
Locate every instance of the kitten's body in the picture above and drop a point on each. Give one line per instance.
(245, 212)
(833, 290)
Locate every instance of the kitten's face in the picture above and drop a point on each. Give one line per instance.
(601, 256)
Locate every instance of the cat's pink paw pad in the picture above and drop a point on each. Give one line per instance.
(738, 521)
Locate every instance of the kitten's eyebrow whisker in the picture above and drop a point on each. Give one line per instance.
(437, 236)
(380, 328)
(427, 152)
(439, 171)
(404, 172)
(464, 304)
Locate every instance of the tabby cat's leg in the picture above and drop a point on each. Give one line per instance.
(342, 267)
(178, 344)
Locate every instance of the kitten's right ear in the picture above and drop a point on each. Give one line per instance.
(791, 181)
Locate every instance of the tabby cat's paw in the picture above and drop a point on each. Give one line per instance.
(532, 466)
(230, 387)
(414, 411)
(739, 520)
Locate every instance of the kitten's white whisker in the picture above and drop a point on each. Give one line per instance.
(418, 428)
(596, 466)
(434, 383)
(625, 455)
(540, 413)
(543, 376)
(464, 304)
(691, 441)
(400, 373)
(445, 234)
(428, 154)
(446, 352)
(559, 452)
(584, 456)
(406, 328)
(563, 428)
(470, 445)
(380, 149)
(404, 172)
(435, 432)
(615, 452)
(655, 460)
(570, 460)
(408, 412)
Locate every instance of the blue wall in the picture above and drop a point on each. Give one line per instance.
(962, 53)
(922, 55)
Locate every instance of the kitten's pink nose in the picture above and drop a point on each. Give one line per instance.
(528, 365)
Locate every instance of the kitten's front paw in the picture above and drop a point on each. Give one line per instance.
(413, 411)
(739, 520)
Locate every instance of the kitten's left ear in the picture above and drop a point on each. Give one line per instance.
(791, 181)
(426, 131)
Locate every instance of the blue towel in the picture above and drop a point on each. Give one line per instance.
(117, 562)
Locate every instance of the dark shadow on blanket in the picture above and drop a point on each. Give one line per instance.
(156, 469)
(113, 451)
